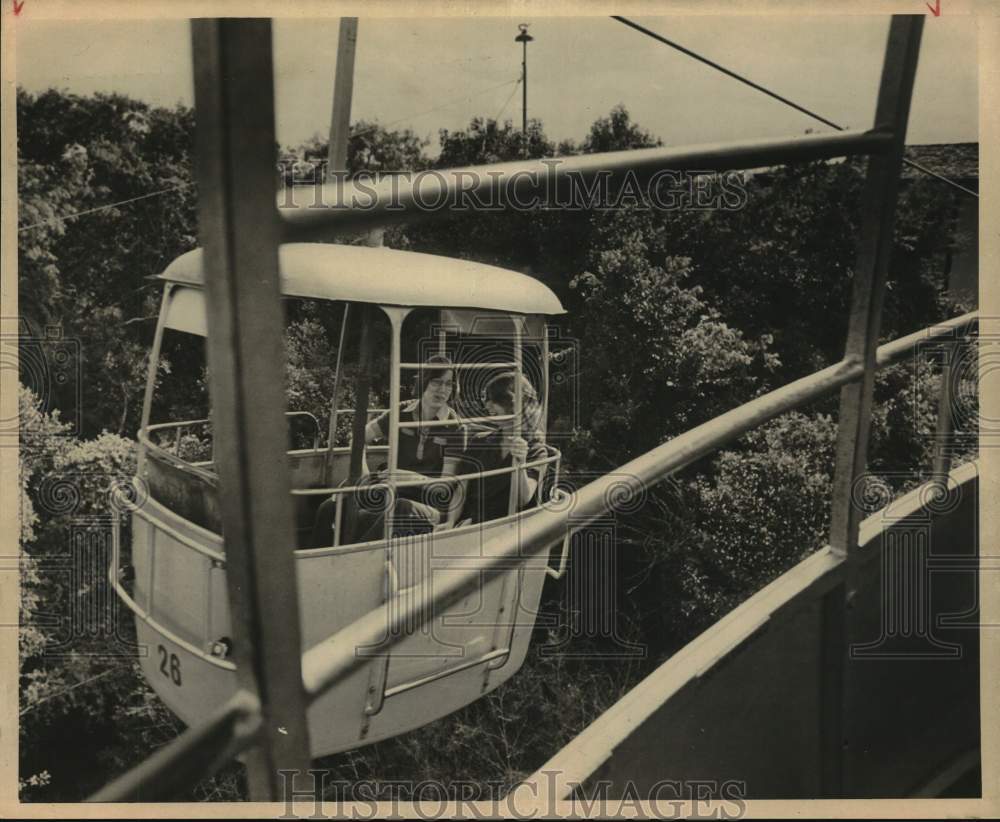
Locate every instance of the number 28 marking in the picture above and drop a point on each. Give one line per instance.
(170, 665)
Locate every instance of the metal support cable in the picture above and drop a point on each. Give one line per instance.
(774, 95)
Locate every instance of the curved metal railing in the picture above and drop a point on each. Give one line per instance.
(340, 493)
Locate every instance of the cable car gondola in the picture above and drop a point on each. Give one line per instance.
(486, 324)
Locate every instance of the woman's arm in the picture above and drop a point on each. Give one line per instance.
(373, 433)
(526, 484)
(452, 467)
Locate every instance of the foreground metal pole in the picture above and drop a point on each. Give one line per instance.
(877, 215)
(839, 696)
(234, 96)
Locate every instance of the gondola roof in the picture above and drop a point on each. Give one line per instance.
(386, 276)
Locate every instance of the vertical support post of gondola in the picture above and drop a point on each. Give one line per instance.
(878, 210)
(515, 464)
(152, 369)
(395, 399)
(334, 403)
(240, 232)
(379, 669)
(362, 386)
(395, 386)
(546, 387)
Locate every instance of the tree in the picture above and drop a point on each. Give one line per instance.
(370, 147)
(617, 132)
(374, 148)
(45, 192)
(510, 239)
(486, 141)
(79, 676)
(660, 359)
(783, 262)
(70, 680)
(764, 508)
(86, 273)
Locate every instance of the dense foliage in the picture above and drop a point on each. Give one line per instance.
(673, 318)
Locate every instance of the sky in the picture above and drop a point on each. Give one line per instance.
(427, 74)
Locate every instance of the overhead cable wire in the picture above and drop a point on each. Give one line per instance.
(104, 207)
(507, 103)
(772, 94)
(375, 128)
(66, 690)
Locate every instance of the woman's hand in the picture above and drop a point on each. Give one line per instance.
(518, 448)
(428, 512)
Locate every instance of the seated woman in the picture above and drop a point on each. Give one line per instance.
(424, 453)
(488, 497)
(424, 450)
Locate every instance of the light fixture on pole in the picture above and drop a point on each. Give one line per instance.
(524, 38)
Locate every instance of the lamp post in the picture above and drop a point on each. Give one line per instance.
(524, 38)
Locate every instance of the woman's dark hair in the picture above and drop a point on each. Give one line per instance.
(436, 365)
(501, 390)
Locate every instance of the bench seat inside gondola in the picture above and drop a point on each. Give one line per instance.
(191, 489)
